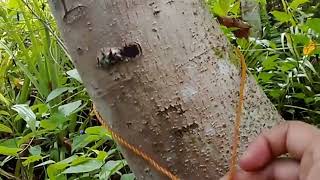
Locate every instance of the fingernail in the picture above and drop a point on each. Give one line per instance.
(224, 178)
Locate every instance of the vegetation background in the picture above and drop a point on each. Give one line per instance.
(47, 127)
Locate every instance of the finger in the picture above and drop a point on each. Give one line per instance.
(292, 137)
(280, 169)
(314, 173)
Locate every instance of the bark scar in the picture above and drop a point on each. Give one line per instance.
(177, 108)
(113, 55)
(73, 14)
(179, 132)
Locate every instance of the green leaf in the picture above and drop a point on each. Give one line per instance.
(299, 95)
(5, 113)
(33, 79)
(80, 160)
(74, 74)
(41, 109)
(101, 155)
(235, 8)
(309, 100)
(57, 92)
(45, 163)
(128, 177)
(296, 3)
(69, 159)
(217, 9)
(28, 136)
(26, 113)
(55, 121)
(98, 130)
(53, 171)
(226, 5)
(6, 48)
(4, 128)
(314, 24)
(87, 166)
(10, 143)
(282, 17)
(300, 39)
(110, 168)
(49, 125)
(31, 159)
(12, 4)
(4, 100)
(270, 62)
(83, 140)
(265, 77)
(9, 151)
(68, 109)
(310, 66)
(286, 66)
(3, 13)
(276, 93)
(35, 150)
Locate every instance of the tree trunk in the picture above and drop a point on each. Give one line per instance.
(177, 100)
(251, 13)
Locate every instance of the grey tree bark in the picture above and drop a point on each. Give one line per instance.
(177, 100)
(251, 13)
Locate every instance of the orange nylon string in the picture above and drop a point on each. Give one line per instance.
(134, 149)
(236, 133)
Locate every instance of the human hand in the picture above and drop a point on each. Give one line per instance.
(261, 160)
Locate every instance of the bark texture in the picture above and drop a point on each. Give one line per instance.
(177, 100)
(251, 13)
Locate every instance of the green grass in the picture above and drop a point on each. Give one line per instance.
(289, 77)
(47, 128)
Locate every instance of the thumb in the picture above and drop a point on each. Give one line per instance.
(280, 169)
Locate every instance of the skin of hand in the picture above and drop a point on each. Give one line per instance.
(261, 160)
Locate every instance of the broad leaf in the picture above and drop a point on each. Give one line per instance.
(299, 95)
(128, 177)
(68, 109)
(314, 24)
(45, 163)
(4, 100)
(300, 39)
(48, 124)
(4, 128)
(282, 17)
(10, 143)
(98, 130)
(111, 167)
(26, 113)
(102, 155)
(80, 160)
(54, 170)
(87, 166)
(35, 150)
(265, 77)
(31, 159)
(56, 120)
(270, 62)
(83, 140)
(296, 3)
(9, 151)
(75, 75)
(57, 92)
